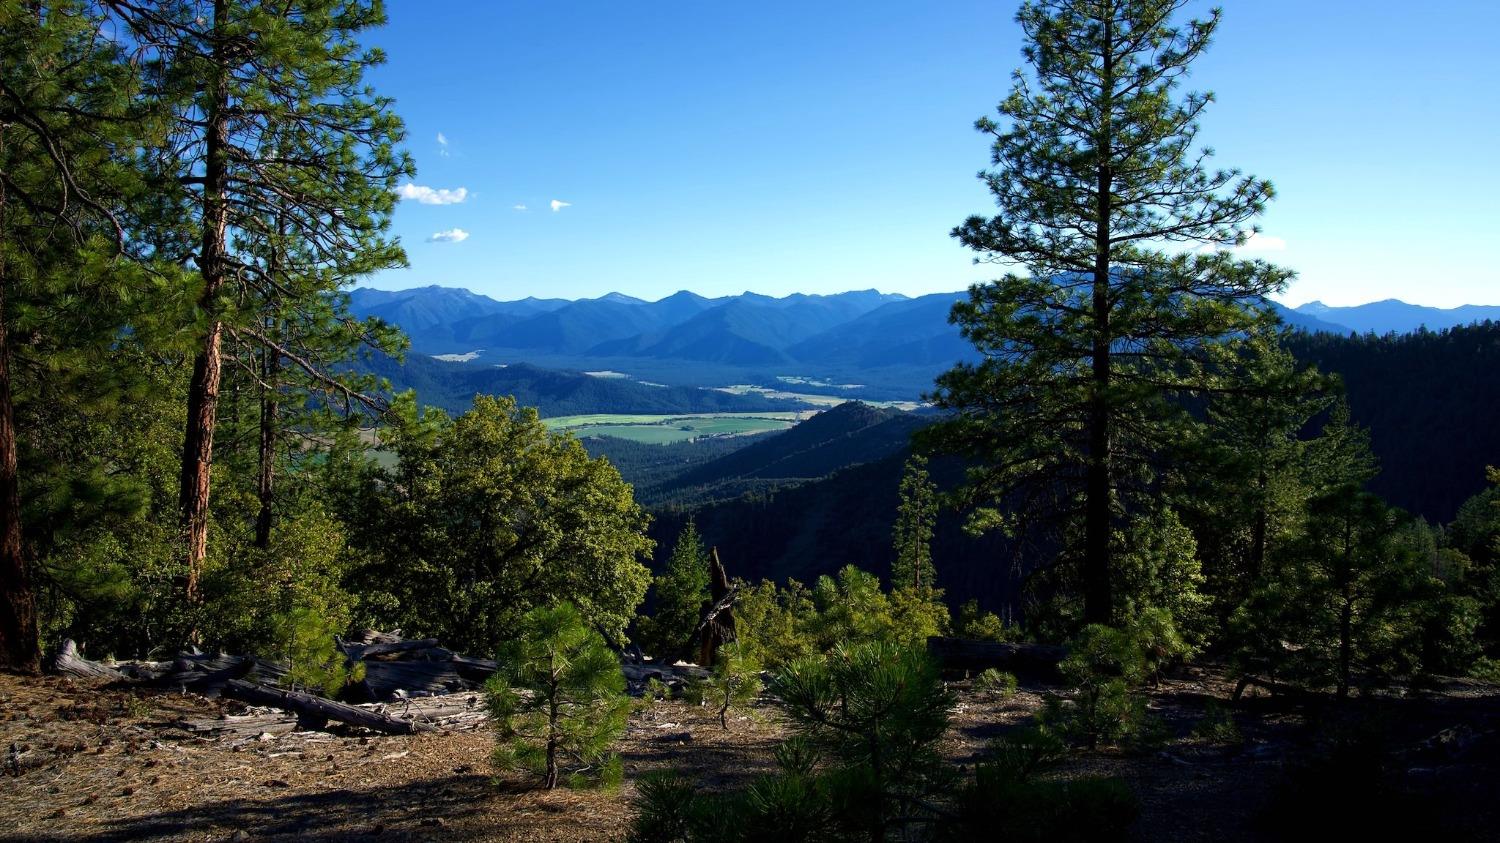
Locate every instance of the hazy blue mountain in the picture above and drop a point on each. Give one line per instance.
(909, 332)
(747, 330)
(452, 387)
(1307, 321)
(1394, 315)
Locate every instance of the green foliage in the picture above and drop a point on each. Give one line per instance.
(489, 515)
(1085, 360)
(1006, 794)
(1103, 665)
(734, 681)
(1348, 597)
(912, 536)
(1218, 726)
(772, 623)
(1160, 581)
(878, 710)
(558, 702)
(1155, 636)
(978, 625)
(680, 593)
(304, 639)
(997, 682)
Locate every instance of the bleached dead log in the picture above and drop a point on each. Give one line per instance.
(69, 662)
(454, 712)
(315, 712)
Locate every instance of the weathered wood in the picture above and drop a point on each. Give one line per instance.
(716, 628)
(964, 654)
(383, 679)
(311, 709)
(454, 712)
(69, 662)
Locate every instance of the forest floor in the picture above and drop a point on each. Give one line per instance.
(85, 761)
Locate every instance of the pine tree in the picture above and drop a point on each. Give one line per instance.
(1243, 481)
(69, 134)
(680, 592)
(915, 517)
(572, 707)
(1100, 190)
(273, 125)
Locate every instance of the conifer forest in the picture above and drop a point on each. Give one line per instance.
(1112, 544)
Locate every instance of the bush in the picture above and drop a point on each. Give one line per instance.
(1103, 665)
(304, 639)
(1218, 726)
(734, 681)
(572, 707)
(978, 625)
(1006, 795)
(995, 681)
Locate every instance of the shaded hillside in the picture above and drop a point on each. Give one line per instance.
(849, 434)
(645, 464)
(452, 387)
(1431, 401)
(818, 527)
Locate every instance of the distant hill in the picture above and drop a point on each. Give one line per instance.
(452, 387)
(1396, 316)
(1431, 401)
(846, 435)
(1307, 322)
(910, 332)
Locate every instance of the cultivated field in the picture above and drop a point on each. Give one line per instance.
(661, 430)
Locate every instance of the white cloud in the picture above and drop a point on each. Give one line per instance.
(432, 195)
(518, 207)
(558, 205)
(1264, 243)
(442, 140)
(452, 235)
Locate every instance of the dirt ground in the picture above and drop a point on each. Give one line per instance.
(88, 762)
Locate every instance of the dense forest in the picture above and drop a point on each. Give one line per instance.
(1135, 470)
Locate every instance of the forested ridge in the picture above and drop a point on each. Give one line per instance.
(1137, 515)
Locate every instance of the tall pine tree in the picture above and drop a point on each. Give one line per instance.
(69, 132)
(1105, 200)
(274, 126)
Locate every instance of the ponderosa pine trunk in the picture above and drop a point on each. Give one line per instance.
(1098, 600)
(203, 390)
(19, 647)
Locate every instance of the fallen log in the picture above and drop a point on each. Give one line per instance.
(315, 712)
(963, 654)
(69, 662)
(384, 679)
(455, 712)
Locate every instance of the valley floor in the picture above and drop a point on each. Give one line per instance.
(86, 762)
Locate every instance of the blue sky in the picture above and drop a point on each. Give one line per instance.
(826, 146)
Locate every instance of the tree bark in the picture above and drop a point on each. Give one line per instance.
(19, 648)
(1098, 600)
(203, 391)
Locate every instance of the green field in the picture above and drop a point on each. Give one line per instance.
(661, 430)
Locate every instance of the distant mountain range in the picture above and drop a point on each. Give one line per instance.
(1394, 316)
(453, 386)
(890, 344)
